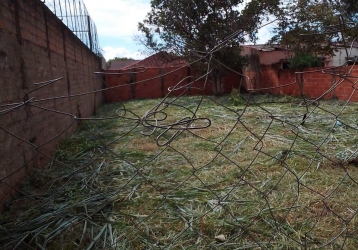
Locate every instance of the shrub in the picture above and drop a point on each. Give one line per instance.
(304, 60)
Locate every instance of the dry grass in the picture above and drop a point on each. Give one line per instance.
(254, 175)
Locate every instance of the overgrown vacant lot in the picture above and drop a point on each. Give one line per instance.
(198, 173)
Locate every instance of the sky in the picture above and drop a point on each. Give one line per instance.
(117, 21)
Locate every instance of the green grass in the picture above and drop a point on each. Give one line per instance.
(254, 175)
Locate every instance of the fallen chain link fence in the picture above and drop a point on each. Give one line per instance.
(245, 171)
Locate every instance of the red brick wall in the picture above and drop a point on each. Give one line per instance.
(121, 90)
(315, 83)
(148, 84)
(251, 79)
(34, 47)
(156, 83)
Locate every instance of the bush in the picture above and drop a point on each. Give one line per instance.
(235, 97)
(304, 60)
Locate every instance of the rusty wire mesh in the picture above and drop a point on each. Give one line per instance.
(74, 14)
(195, 173)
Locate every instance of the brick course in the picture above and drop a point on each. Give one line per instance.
(315, 83)
(25, 59)
(156, 83)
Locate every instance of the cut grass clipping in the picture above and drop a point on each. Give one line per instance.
(197, 173)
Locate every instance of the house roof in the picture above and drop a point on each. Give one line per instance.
(118, 64)
(159, 60)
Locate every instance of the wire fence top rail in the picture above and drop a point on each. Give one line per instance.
(75, 16)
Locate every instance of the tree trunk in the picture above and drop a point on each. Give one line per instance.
(217, 82)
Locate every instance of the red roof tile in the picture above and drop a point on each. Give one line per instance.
(118, 64)
(159, 60)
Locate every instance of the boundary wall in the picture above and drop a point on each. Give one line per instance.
(35, 46)
(326, 83)
(147, 83)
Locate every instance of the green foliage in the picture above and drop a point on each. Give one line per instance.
(304, 60)
(118, 59)
(202, 25)
(349, 8)
(315, 26)
(235, 98)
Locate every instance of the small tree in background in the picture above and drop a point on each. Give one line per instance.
(108, 63)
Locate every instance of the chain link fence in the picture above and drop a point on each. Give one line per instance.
(244, 171)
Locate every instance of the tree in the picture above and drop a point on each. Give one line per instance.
(210, 30)
(303, 25)
(347, 8)
(118, 59)
(313, 27)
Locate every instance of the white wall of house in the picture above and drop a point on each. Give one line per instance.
(340, 57)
